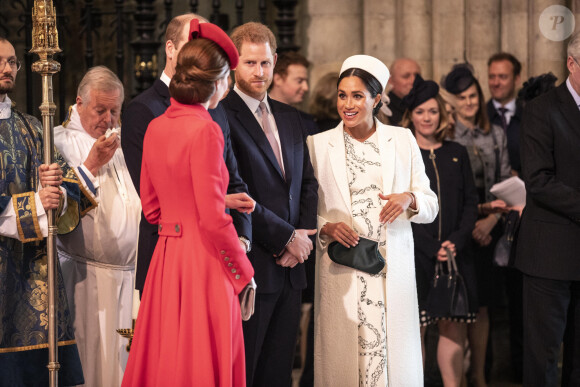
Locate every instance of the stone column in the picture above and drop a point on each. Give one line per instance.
(334, 32)
(514, 32)
(545, 55)
(448, 35)
(379, 29)
(414, 38)
(483, 25)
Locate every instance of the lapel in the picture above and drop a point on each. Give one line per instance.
(337, 157)
(568, 107)
(286, 133)
(248, 121)
(387, 153)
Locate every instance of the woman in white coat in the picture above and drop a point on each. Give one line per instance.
(372, 183)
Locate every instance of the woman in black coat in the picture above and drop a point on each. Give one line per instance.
(447, 166)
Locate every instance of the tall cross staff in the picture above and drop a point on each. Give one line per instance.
(45, 45)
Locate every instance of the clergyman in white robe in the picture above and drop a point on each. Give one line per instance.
(98, 258)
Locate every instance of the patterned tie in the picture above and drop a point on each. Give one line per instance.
(502, 112)
(270, 135)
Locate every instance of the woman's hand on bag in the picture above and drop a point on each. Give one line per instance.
(341, 233)
(396, 205)
(482, 230)
(442, 253)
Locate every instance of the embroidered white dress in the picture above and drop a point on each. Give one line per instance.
(98, 259)
(364, 174)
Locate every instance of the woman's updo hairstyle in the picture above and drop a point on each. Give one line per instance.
(371, 83)
(200, 63)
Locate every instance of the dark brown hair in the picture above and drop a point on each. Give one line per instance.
(371, 83)
(442, 129)
(287, 59)
(200, 63)
(500, 56)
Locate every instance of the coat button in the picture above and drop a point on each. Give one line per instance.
(160, 227)
(290, 196)
(222, 252)
(176, 228)
(230, 264)
(226, 259)
(237, 276)
(234, 271)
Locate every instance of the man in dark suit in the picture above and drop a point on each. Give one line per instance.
(268, 138)
(503, 109)
(151, 104)
(548, 246)
(290, 84)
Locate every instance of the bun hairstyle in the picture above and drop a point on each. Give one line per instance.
(200, 63)
(371, 83)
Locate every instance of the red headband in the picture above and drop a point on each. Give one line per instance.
(217, 35)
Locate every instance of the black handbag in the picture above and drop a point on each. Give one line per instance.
(364, 256)
(448, 294)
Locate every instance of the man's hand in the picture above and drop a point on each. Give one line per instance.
(101, 153)
(301, 246)
(241, 202)
(288, 260)
(50, 197)
(493, 207)
(341, 233)
(50, 175)
(396, 205)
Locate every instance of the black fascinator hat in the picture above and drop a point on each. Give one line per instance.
(459, 79)
(422, 91)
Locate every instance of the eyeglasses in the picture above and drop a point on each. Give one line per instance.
(13, 62)
(574, 59)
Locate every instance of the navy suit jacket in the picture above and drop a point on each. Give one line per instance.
(139, 113)
(513, 132)
(282, 205)
(549, 234)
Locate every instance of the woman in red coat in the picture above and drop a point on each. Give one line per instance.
(189, 330)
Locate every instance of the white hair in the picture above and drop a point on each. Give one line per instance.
(102, 79)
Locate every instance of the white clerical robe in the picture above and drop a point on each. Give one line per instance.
(98, 258)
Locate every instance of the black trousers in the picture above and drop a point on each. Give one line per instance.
(549, 306)
(270, 337)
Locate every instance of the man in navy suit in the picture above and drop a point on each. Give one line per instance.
(503, 109)
(268, 138)
(151, 104)
(548, 247)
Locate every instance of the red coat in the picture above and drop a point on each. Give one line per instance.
(189, 330)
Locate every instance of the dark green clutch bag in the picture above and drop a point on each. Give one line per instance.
(364, 257)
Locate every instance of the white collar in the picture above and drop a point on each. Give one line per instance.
(252, 102)
(573, 92)
(510, 106)
(165, 78)
(74, 121)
